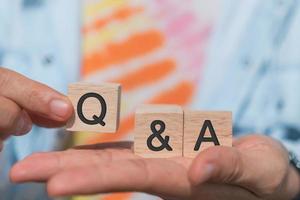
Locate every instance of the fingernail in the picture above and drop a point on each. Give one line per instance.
(23, 125)
(59, 108)
(206, 173)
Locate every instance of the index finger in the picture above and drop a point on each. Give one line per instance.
(34, 97)
(162, 177)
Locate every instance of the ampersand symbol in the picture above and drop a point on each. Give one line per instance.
(96, 119)
(157, 134)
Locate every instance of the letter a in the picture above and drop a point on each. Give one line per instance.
(201, 138)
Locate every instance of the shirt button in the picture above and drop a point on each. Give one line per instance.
(246, 63)
(31, 3)
(47, 60)
(280, 105)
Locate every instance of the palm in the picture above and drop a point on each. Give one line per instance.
(114, 168)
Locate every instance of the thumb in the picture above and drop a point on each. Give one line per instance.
(249, 169)
(217, 164)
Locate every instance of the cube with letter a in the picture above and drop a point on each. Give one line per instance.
(158, 131)
(97, 107)
(206, 129)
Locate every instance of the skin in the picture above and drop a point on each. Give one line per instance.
(24, 102)
(256, 167)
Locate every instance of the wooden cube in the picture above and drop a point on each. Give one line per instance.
(158, 131)
(206, 129)
(97, 107)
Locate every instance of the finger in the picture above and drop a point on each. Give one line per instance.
(161, 177)
(46, 122)
(28, 124)
(245, 167)
(34, 97)
(41, 166)
(13, 120)
(207, 165)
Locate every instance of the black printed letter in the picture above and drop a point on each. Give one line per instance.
(201, 138)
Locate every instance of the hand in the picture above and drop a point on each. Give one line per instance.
(23, 102)
(257, 167)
